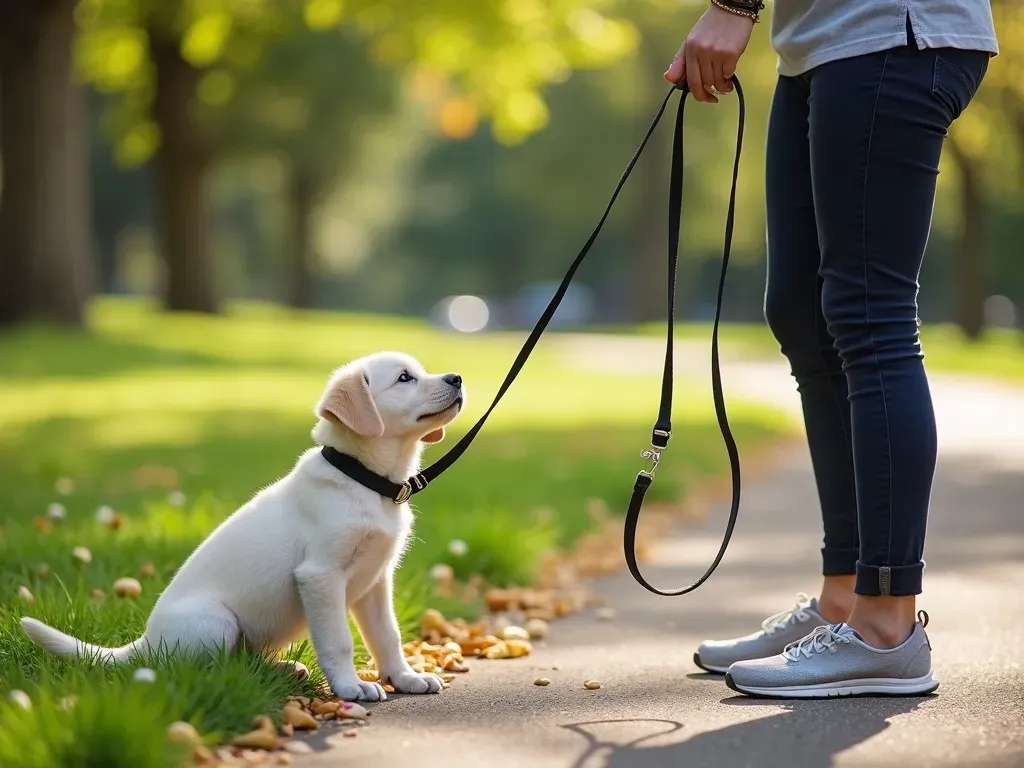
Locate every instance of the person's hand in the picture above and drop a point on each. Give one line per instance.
(710, 52)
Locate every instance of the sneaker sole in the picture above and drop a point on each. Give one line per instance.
(872, 686)
(707, 667)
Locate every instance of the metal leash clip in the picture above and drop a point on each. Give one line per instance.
(652, 454)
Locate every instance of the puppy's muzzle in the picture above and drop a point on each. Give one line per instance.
(454, 381)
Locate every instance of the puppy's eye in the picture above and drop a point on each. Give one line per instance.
(404, 377)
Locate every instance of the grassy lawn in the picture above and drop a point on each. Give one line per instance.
(175, 421)
(998, 355)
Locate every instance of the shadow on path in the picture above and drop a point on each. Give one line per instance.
(809, 734)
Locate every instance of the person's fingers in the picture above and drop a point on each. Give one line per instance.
(707, 74)
(721, 81)
(728, 70)
(677, 69)
(693, 75)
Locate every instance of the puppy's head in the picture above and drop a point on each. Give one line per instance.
(390, 395)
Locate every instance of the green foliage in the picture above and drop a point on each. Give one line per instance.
(410, 184)
(216, 37)
(498, 218)
(498, 54)
(488, 219)
(308, 101)
(502, 54)
(148, 405)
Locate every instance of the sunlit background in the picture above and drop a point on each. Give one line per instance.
(208, 205)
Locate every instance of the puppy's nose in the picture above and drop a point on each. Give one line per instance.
(454, 379)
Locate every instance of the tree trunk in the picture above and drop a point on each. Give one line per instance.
(15, 137)
(45, 221)
(971, 252)
(301, 200)
(181, 164)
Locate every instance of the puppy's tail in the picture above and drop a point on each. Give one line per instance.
(57, 642)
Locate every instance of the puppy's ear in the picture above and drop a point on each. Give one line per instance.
(434, 437)
(348, 401)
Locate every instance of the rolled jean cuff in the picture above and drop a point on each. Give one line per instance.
(839, 562)
(897, 580)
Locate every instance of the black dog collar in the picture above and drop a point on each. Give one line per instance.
(366, 477)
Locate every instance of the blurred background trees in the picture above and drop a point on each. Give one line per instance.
(382, 156)
(44, 208)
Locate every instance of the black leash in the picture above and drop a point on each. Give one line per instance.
(401, 492)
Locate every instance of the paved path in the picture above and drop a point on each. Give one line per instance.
(655, 709)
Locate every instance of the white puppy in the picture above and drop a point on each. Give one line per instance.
(312, 546)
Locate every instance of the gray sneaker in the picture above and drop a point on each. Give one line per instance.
(833, 661)
(776, 633)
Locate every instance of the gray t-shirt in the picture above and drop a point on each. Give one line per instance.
(808, 33)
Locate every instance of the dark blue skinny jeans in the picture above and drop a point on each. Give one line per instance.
(852, 162)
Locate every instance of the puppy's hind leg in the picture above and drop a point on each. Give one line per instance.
(193, 627)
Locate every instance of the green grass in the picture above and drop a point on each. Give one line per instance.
(999, 354)
(174, 421)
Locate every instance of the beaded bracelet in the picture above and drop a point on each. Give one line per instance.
(750, 14)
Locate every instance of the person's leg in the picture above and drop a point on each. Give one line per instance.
(877, 125)
(792, 309)
(876, 128)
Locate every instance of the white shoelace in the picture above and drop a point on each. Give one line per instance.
(822, 639)
(785, 618)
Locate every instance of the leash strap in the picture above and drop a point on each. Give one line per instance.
(401, 492)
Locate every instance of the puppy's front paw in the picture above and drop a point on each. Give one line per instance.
(416, 682)
(359, 691)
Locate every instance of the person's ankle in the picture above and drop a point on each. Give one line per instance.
(836, 598)
(883, 622)
(834, 610)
